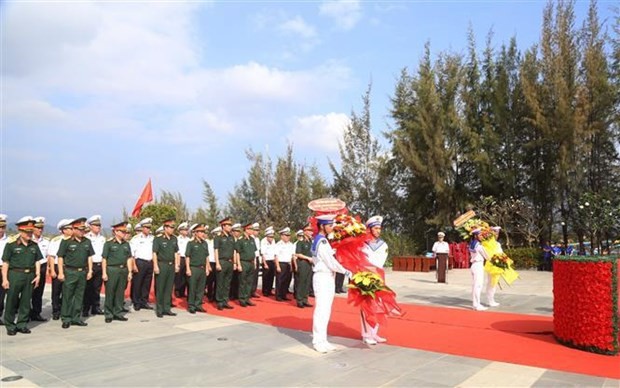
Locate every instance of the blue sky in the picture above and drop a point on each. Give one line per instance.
(99, 97)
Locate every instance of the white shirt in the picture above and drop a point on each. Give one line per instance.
(43, 244)
(182, 241)
(479, 254)
(52, 250)
(441, 247)
(324, 259)
(142, 246)
(98, 241)
(284, 251)
(211, 250)
(377, 252)
(268, 249)
(257, 242)
(3, 241)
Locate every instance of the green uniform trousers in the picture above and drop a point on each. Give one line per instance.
(303, 281)
(223, 279)
(115, 291)
(245, 280)
(18, 299)
(197, 283)
(72, 295)
(163, 287)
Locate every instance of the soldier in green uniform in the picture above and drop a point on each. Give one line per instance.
(197, 267)
(246, 248)
(303, 260)
(21, 271)
(225, 263)
(75, 267)
(166, 261)
(116, 260)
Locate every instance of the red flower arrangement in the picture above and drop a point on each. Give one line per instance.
(585, 303)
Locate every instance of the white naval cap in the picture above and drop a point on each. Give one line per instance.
(63, 223)
(192, 227)
(159, 230)
(94, 220)
(286, 231)
(299, 232)
(236, 227)
(184, 225)
(496, 228)
(3, 219)
(25, 219)
(325, 219)
(39, 222)
(129, 228)
(269, 231)
(146, 222)
(374, 221)
(441, 234)
(256, 226)
(217, 229)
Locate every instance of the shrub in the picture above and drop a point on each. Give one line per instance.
(525, 258)
(398, 245)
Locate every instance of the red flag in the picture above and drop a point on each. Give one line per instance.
(145, 197)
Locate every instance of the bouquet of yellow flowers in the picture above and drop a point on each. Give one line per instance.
(368, 283)
(347, 226)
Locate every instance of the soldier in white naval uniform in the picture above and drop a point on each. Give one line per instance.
(376, 251)
(325, 267)
(478, 256)
(92, 295)
(37, 292)
(180, 278)
(142, 251)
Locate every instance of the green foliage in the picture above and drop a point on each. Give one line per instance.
(158, 212)
(525, 258)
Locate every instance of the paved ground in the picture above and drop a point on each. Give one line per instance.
(206, 350)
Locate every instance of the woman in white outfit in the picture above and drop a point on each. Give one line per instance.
(376, 251)
(478, 256)
(325, 267)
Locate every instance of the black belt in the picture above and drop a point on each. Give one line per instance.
(137, 258)
(24, 270)
(98, 264)
(197, 266)
(118, 266)
(166, 262)
(79, 269)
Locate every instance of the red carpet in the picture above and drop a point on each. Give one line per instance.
(512, 338)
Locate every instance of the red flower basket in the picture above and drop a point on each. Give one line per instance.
(585, 302)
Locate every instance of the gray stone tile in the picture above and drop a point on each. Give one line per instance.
(444, 372)
(574, 378)
(71, 364)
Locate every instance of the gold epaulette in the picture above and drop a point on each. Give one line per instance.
(58, 238)
(110, 239)
(12, 238)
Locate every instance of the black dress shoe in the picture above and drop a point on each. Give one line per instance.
(11, 332)
(170, 313)
(255, 296)
(191, 311)
(97, 312)
(65, 325)
(243, 304)
(79, 323)
(24, 330)
(250, 303)
(227, 306)
(147, 306)
(306, 304)
(38, 318)
(159, 315)
(1, 322)
(56, 316)
(137, 307)
(300, 305)
(220, 307)
(125, 310)
(279, 299)
(108, 320)
(122, 319)
(201, 310)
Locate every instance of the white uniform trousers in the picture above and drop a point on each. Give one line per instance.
(477, 275)
(490, 289)
(323, 283)
(368, 331)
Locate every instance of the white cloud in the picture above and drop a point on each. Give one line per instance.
(136, 70)
(321, 132)
(298, 25)
(345, 13)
